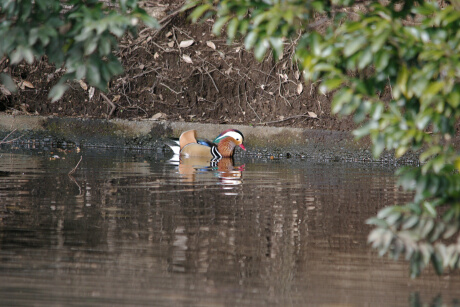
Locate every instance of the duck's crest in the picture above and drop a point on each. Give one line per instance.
(229, 132)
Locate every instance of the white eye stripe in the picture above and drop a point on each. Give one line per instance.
(233, 134)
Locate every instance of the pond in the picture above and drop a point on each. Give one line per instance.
(132, 228)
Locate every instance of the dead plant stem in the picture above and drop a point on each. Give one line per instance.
(76, 166)
(111, 104)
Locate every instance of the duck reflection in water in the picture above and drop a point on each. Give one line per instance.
(199, 156)
(194, 169)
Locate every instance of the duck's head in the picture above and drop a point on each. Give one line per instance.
(233, 133)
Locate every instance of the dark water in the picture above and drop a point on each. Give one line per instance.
(128, 229)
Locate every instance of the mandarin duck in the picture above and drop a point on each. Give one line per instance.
(223, 145)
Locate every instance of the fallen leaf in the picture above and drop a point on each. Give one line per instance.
(187, 59)
(83, 85)
(169, 34)
(299, 88)
(284, 77)
(91, 93)
(4, 91)
(28, 84)
(142, 66)
(158, 116)
(211, 45)
(171, 44)
(116, 98)
(297, 75)
(312, 115)
(187, 43)
(156, 55)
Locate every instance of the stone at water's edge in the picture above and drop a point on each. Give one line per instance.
(147, 134)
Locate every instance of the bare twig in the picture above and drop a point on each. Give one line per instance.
(247, 101)
(139, 108)
(175, 28)
(177, 93)
(76, 166)
(281, 95)
(391, 89)
(6, 137)
(158, 45)
(110, 103)
(177, 43)
(12, 140)
(73, 179)
(239, 100)
(144, 73)
(3, 60)
(285, 119)
(212, 80)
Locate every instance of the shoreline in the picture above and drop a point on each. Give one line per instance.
(276, 142)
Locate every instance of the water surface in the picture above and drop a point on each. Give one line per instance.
(130, 228)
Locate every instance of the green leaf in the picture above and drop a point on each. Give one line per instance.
(331, 84)
(342, 97)
(379, 41)
(437, 261)
(379, 145)
(272, 25)
(432, 89)
(400, 151)
(365, 59)
(401, 81)
(385, 212)
(149, 21)
(199, 11)
(434, 150)
(382, 58)
(219, 24)
(57, 91)
(250, 40)
(8, 82)
(260, 49)
(353, 45)
(410, 222)
(231, 28)
(277, 44)
(429, 209)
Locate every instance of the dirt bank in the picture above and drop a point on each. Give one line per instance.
(204, 81)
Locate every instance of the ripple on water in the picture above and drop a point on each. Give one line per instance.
(130, 228)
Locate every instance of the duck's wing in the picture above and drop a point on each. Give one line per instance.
(187, 137)
(197, 150)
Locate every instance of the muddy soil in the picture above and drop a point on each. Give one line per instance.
(209, 81)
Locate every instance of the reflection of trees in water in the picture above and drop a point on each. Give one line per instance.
(276, 225)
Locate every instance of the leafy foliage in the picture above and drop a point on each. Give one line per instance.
(409, 48)
(79, 35)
